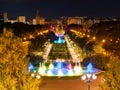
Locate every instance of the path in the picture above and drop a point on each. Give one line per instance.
(74, 84)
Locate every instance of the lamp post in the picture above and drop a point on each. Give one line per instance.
(89, 77)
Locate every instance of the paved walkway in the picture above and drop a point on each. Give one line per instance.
(74, 84)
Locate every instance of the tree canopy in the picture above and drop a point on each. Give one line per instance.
(14, 64)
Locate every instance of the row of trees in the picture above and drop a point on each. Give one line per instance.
(93, 52)
(111, 79)
(14, 64)
(37, 43)
(84, 43)
(109, 31)
(21, 29)
(105, 56)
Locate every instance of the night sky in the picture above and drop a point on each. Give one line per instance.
(57, 8)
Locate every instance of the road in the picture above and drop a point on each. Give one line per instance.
(72, 84)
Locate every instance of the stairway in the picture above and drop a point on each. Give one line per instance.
(59, 51)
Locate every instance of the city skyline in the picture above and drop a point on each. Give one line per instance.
(57, 8)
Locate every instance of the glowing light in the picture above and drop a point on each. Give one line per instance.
(116, 41)
(88, 75)
(60, 73)
(31, 67)
(83, 77)
(111, 40)
(49, 73)
(41, 71)
(31, 36)
(24, 38)
(69, 66)
(44, 67)
(103, 40)
(94, 38)
(32, 74)
(38, 76)
(60, 68)
(89, 68)
(94, 76)
(78, 70)
(51, 67)
(59, 65)
(83, 34)
(88, 36)
(60, 40)
(70, 72)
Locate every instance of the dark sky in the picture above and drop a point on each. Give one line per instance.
(57, 8)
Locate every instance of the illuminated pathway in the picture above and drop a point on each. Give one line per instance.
(70, 48)
(47, 51)
(72, 52)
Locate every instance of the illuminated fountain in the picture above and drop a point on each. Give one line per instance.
(60, 40)
(41, 69)
(62, 68)
(90, 69)
(50, 68)
(31, 67)
(78, 70)
(59, 68)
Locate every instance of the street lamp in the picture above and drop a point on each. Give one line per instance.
(88, 77)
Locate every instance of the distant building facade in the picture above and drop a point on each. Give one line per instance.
(5, 17)
(37, 21)
(76, 20)
(12, 20)
(21, 19)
